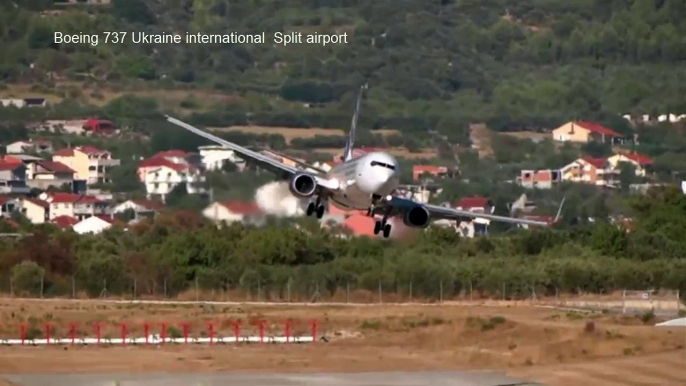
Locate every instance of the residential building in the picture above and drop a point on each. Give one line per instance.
(93, 225)
(37, 211)
(64, 222)
(214, 157)
(585, 132)
(161, 176)
(641, 162)
(246, 212)
(539, 179)
(36, 146)
(43, 174)
(596, 171)
(13, 177)
(433, 170)
(25, 102)
(79, 206)
(99, 126)
(477, 226)
(90, 163)
(140, 208)
(8, 206)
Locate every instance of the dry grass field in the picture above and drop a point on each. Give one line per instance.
(537, 343)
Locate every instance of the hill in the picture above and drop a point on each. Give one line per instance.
(430, 65)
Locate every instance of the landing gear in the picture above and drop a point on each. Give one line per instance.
(384, 227)
(316, 208)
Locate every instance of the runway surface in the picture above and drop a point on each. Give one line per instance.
(466, 378)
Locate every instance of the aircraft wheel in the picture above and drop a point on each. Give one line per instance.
(320, 211)
(377, 227)
(310, 209)
(387, 231)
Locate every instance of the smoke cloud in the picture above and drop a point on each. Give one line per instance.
(276, 199)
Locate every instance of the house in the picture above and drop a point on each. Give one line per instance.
(36, 146)
(93, 225)
(596, 171)
(641, 162)
(90, 163)
(585, 132)
(13, 177)
(683, 186)
(477, 226)
(37, 211)
(64, 222)
(247, 212)
(140, 208)
(35, 102)
(25, 102)
(539, 179)
(79, 206)
(214, 157)
(433, 170)
(43, 174)
(63, 126)
(161, 176)
(99, 126)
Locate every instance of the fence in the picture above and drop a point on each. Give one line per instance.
(360, 291)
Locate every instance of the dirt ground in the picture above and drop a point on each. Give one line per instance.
(542, 344)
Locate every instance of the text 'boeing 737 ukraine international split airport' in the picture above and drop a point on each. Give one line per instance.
(362, 183)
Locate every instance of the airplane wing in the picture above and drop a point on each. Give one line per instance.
(397, 206)
(280, 169)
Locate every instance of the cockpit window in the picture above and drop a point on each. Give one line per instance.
(387, 166)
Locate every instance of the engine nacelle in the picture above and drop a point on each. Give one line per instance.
(417, 217)
(303, 185)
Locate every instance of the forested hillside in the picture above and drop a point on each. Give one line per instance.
(429, 64)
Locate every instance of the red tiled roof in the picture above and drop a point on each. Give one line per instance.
(59, 198)
(91, 150)
(418, 169)
(162, 162)
(66, 152)
(10, 160)
(93, 123)
(10, 165)
(171, 153)
(4, 199)
(241, 207)
(597, 162)
(64, 221)
(360, 225)
(638, 158)
(597, 128)
(56, 167)
(473, 202)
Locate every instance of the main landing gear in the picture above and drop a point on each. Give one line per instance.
(316, 207)
(382, 226)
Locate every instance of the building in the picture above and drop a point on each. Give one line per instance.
(90, 163)
(432, 170)
(43, 174)
(140, 208)
(596, 171)
(26, 102)
(641, 162)
(215, 157)
(13, 177)
(64, 222)
(79, 206)
(37, 211)
(477, 226)
(246, 212)
(33, 146)
(585, 132)
(539, 179)
(93, 225)
(99, 126)
(8, 206)
(161, 176)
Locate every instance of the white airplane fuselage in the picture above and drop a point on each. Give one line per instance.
(362, 178)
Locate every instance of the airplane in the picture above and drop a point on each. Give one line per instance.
(363, 183)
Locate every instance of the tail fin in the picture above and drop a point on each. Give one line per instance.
(348, 152)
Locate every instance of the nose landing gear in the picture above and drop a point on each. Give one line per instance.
(315, 207)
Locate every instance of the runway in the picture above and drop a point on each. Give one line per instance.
(466, 378)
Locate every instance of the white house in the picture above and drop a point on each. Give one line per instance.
(145, 208)
(94, 225)
(161, 176)
(232, 211)
(214, 157)
(38, 146)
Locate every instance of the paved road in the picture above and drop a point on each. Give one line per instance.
(366, 379)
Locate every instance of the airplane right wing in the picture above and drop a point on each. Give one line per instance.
(280, 169)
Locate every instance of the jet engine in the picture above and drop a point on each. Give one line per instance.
(417, 217)
(303, 185)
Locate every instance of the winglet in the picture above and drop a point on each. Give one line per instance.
(559, 211)
(348, 152)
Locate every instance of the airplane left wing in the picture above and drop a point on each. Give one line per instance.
(280, 169)
(397, 206)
